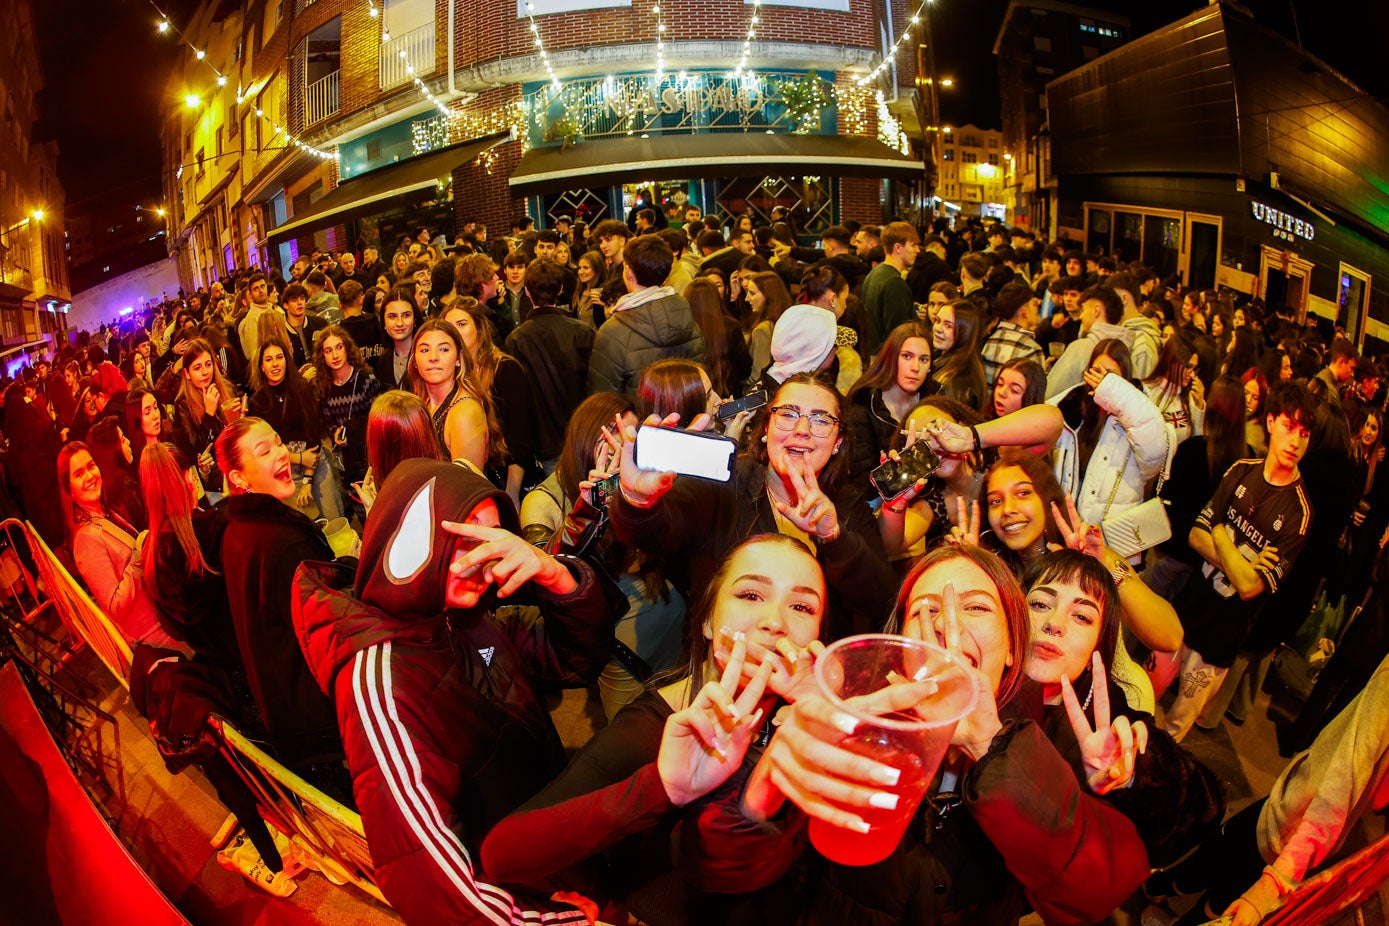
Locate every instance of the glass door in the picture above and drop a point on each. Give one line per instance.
(1202, 251)
(1352, 297)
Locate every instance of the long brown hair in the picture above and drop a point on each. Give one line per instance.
(398, 428)
(707, 309)
(486, 356)
(1224, 426)
(324, 376)
(672, 385)
(1010, 597)
(582, 435)
(496, 442)
(882, 369)
(187, 395)
(775, 298)
(834, 472)
(69, 450)
(170, 504)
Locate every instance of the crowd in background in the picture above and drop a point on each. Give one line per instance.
(460, 417)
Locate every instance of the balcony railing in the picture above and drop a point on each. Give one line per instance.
(322, 98)
(418, 46)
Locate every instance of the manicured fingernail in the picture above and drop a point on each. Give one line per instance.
(756, 718)
(886, 775)
(860, 826)
(739, 635)
(883, 800)
(844, 723)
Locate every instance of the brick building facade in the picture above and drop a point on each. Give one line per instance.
(324, 101)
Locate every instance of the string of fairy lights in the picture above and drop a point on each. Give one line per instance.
(165, 26)
(749, 37)
(891, 55)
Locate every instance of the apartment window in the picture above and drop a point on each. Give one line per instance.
(993, 159)
(1041, 43)
(969, 157)
(993, 142)
(1087, 25)
(948, 154)
(200, 162)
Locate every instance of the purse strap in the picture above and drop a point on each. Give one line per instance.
(1119, 477)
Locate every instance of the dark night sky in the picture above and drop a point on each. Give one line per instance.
(105, 73)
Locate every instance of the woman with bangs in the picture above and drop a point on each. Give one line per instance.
(1020, 384)
(1075, 612)
(288, 402)
(1005, 823)
(791, 481)
(668, 770)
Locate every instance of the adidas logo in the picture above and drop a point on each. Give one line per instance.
(487, 653)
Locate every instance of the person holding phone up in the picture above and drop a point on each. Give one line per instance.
(790, 482)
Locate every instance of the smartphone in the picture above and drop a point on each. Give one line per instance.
(604, 489)
(747, 403)
(689, 453)
(895, 477)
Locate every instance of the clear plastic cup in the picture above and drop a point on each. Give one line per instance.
(913, 741)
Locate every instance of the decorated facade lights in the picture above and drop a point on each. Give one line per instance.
(891, 56)
(749, 37)
(540, 47)
(166, 26)
(660, 43)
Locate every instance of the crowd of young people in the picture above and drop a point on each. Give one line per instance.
(471, 411)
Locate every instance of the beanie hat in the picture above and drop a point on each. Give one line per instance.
(803, 337)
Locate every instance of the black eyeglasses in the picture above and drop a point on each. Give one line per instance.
(787, 417)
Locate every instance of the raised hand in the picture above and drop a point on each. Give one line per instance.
(212, 399)
(1087, 538)
(1094, 376)
(643, 487)
(813, 512)
(705, 743)
(966, 527)
(899, 504)
(977, 729)
(507, 560)
(949, 439)
(1110, 751)
(792, 674)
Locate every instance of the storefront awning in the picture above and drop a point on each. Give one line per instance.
(370, 191)
(602, 163)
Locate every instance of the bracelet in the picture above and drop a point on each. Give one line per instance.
(978, 441)
(1120, 571)
(647, 503)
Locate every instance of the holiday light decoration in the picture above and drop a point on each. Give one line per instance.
(660, 42)
(891, 55)
(166, 25)
(540, 46)
(748, 38)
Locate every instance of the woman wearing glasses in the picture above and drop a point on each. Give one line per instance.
(791, 481)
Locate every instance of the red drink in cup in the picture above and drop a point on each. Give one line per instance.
(912, 741)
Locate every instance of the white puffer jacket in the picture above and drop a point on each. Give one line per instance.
(1135, 437)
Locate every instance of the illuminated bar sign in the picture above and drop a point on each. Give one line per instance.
(1285, 226)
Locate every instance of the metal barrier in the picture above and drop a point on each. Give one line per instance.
(80, 614)
(327, 835)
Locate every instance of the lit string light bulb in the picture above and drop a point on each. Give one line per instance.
(891, 55)
(749, 37)
(660, 44)
(539, 44)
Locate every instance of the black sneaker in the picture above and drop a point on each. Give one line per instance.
(1237, 721)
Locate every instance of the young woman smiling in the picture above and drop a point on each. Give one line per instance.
(955, 338)
(264, 543)
(1007, 816)
(106, 548)
(749, 650)
(398, 322)
(790, 482)
(289, 404)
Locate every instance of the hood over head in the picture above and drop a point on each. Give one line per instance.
(405, 556)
